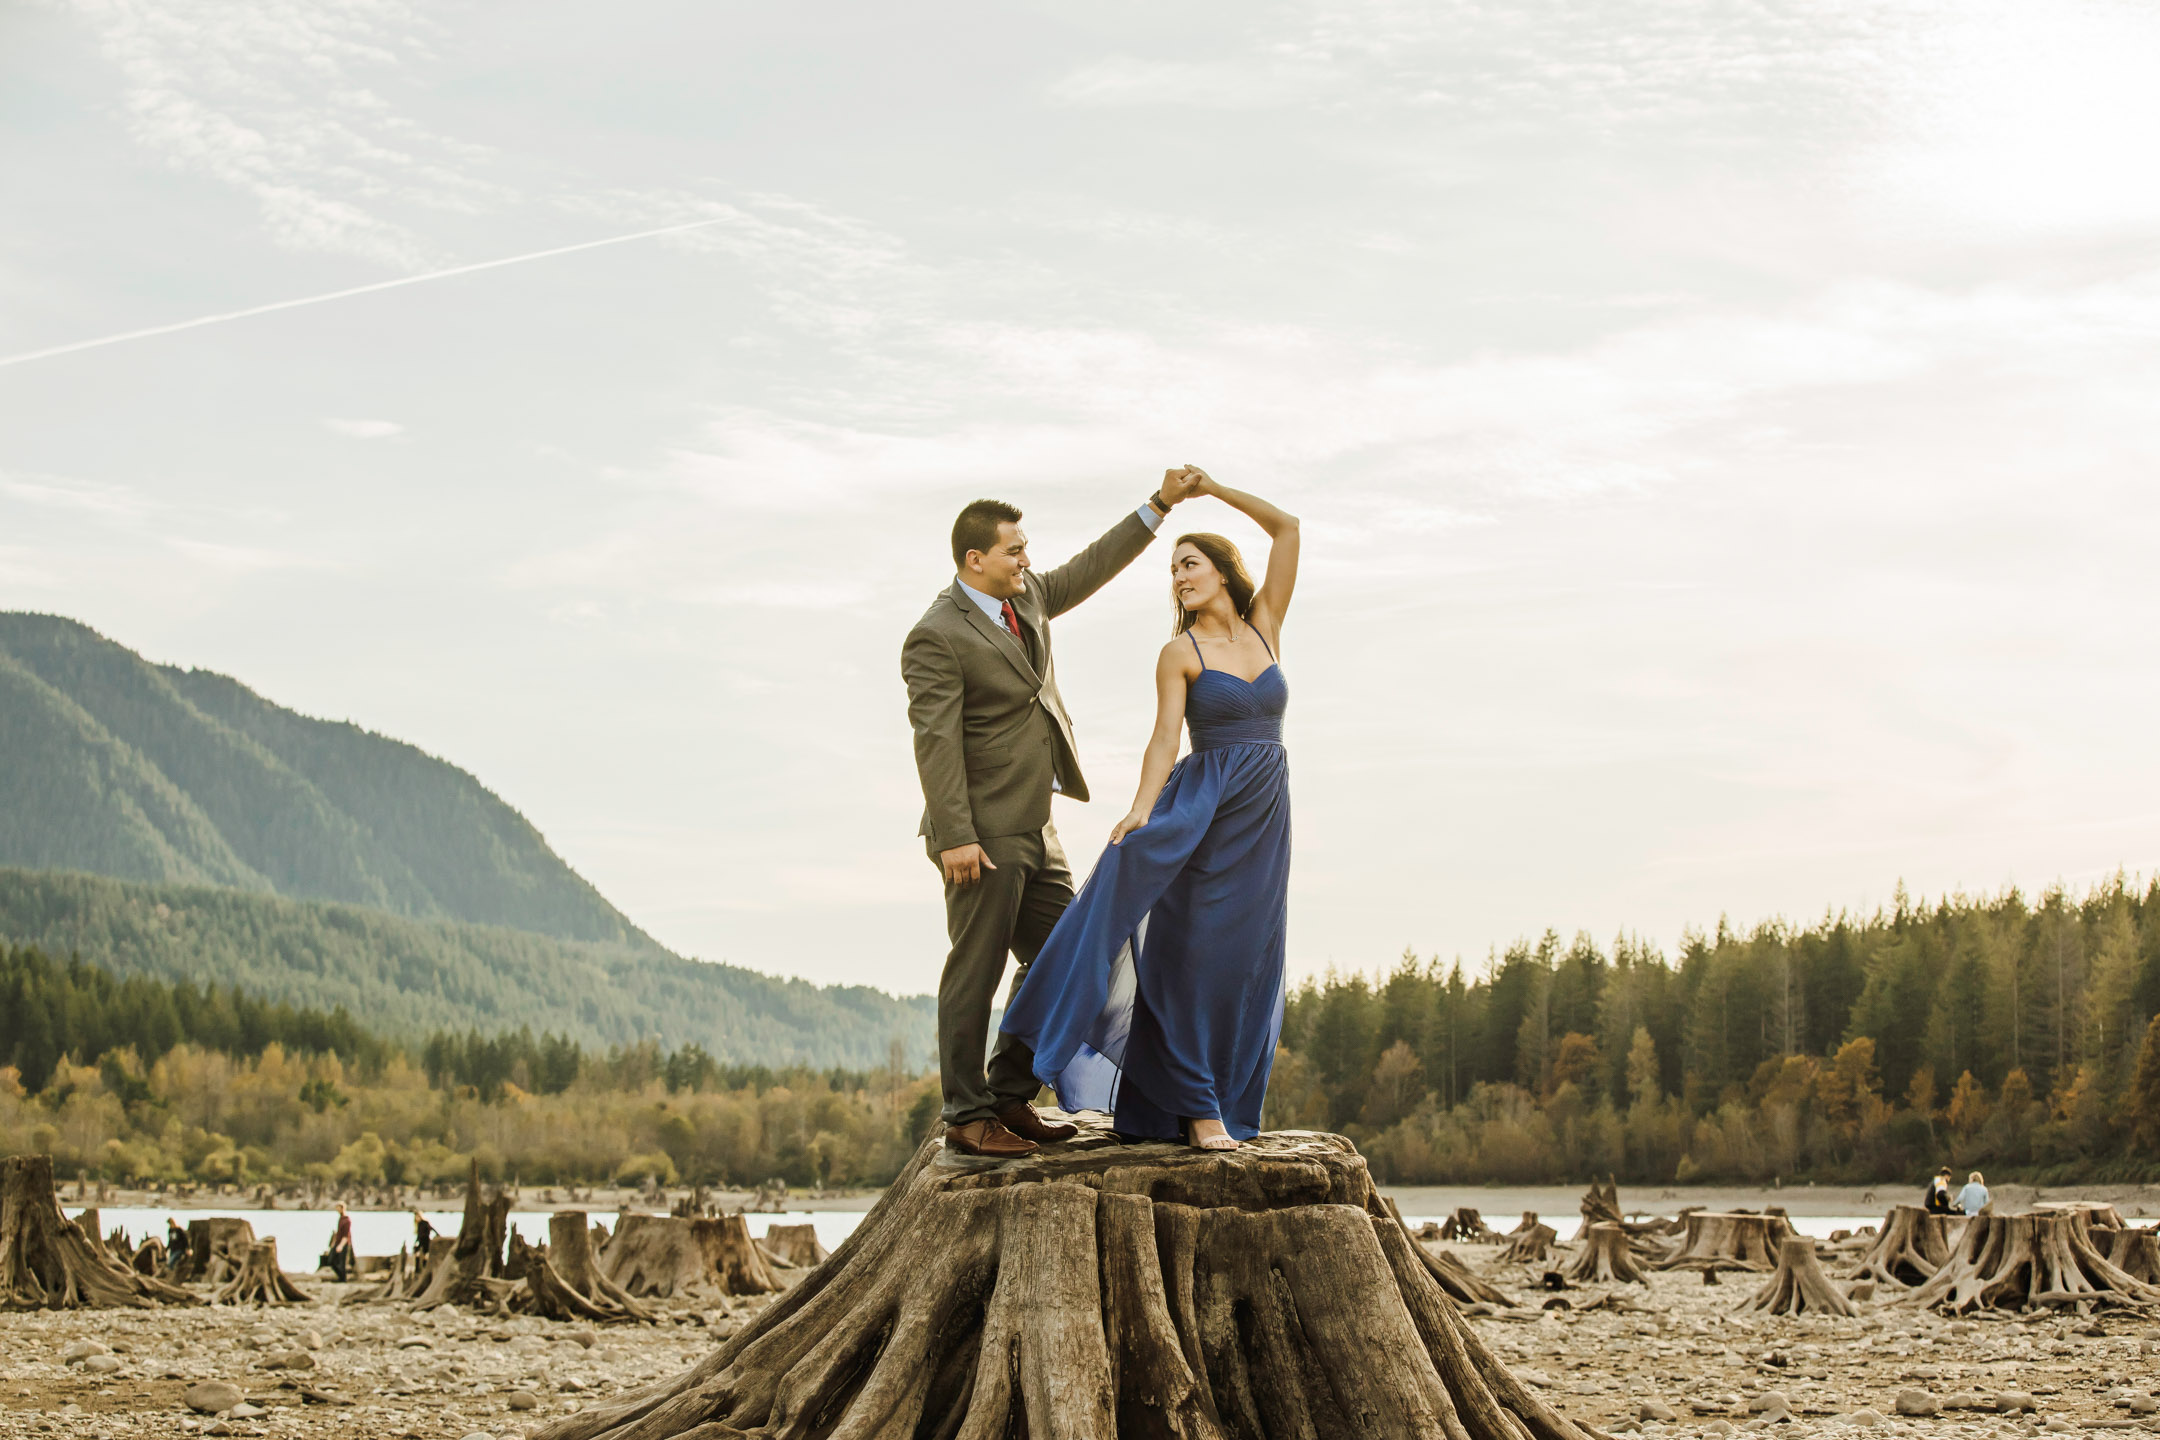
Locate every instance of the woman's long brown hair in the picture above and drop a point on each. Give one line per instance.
(1229, 564)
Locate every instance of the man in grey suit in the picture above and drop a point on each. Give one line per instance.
(992, 743)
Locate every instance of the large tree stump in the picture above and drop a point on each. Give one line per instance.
(795, 1245)
(662, 1256)
(1533, 1246)
(218, 1246)
(475, 1257)
(2014, 1262)
(1096, 1290)
(49, 1261)
(563, 1283)
(1606, 1258)
(2099, 1214)
(1910, 1247)
(1798, 1286)
(261, 1282)
(1736, 1240)
(2134, 1252)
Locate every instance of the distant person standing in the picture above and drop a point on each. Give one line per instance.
(1974, 1198)
(176, 1244)
(341, 1247)
(1939, 1200)
(423, 1234)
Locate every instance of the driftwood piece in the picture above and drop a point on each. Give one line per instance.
(2013, 1262)
(149, 1257)
(1799, 1286)
(1600, 1206)
(1533, 1246)
(1729, 1240)
(261, 1282)
(795, 1245)
(1606, 1258)
(1910, 1247)
(476, 1256)
(218, 1246)
(48, 1261)
(1097, 1290)
(662, 1256)
(563, 1283)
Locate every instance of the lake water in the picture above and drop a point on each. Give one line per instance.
(302, 1235)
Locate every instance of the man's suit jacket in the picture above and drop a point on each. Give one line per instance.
(991, 730)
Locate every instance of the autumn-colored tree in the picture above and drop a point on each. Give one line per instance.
(1844, 1088)
(1642, 1069)
(1575, 1062)
(2143, 1105)
(1920, 1096)
(1969, 1108)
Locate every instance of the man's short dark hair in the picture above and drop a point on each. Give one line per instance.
(977, 528)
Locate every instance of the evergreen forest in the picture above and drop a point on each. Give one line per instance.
(2002, 1032)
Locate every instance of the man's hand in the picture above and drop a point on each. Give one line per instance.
(1181, 484)
(964, 864)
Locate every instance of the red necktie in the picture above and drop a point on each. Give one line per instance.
(1012, 621)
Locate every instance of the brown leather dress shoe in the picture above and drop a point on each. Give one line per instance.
(1024, 1121)
(988, 1139)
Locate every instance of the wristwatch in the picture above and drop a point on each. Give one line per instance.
(1161, 506)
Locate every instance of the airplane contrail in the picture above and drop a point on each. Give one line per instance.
(221, 318)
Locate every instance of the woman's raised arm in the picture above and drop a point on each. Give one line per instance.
(1273, 599)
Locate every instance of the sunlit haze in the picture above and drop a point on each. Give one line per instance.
(1725, 435)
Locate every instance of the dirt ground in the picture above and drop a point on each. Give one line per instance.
(1674, 1343)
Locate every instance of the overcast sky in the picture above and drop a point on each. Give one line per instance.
(1726, 433)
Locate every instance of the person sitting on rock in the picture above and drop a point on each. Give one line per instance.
(1974, 1198)
(341, 1246)
(1939, 1200)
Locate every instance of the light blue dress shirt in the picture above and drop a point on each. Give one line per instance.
(1973, 1198)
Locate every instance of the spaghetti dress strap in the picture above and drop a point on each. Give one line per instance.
(1262, 638)
(1196, 649)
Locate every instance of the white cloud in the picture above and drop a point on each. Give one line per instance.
(364, 429)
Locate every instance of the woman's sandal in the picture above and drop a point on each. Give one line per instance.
(1213, 1142)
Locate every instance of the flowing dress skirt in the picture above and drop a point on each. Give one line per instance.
(1159, 996)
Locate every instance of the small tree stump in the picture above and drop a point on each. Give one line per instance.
(261, 1282)
(1465, 1224)
(1097, 1289)
(217, 1247)
(1606, 1258)
(562, 1283)
(1533, 1246)
(661, 1256)
(1910, 1247)
(48, 1261)
(795, 1245)
(1798, 1286)
(2013, 1262)
(149, 1257)
(1735, 1240)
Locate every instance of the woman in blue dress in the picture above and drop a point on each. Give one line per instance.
(1159, 996)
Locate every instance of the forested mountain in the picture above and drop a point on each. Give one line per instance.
(117, 766)
(407, 977)
(2001, 1030)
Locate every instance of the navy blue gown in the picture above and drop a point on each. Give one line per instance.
(1159, 996)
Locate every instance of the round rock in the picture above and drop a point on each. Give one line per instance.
(210, 1396)
(524, 1400)
(1917, 1402)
